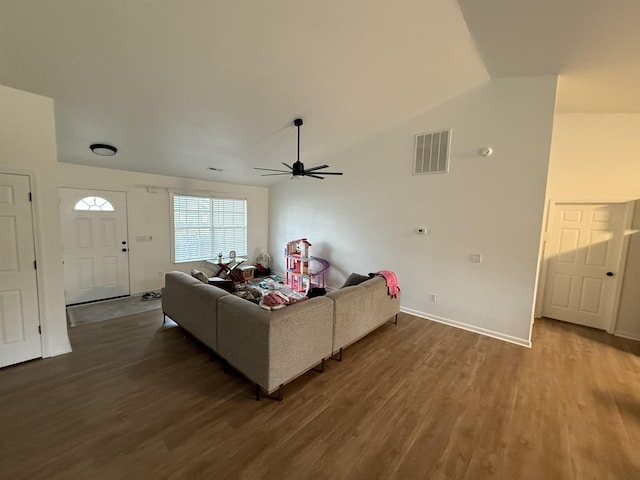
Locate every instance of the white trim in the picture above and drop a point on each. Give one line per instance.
(622, 265)
(204, 193)
(630, 336)
(90, 187)
(470, 328)
(537, 311)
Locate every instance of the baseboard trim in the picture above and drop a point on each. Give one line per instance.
(58, 351)
(630, 336)
(470, 328)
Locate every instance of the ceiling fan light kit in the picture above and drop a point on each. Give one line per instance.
(297, 170)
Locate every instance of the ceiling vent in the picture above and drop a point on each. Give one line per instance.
(432, 152)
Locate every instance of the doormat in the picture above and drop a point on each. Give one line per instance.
(109, 309)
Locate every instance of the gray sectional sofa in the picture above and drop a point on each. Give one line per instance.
(271, 348)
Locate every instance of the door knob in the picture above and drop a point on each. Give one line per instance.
(124, 249)
(610, 274)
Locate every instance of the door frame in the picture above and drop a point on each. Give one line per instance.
(622, 263)
(107, 189)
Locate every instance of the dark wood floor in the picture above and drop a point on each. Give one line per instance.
(139, 400)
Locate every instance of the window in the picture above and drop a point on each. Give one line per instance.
(98, 204)
(204, 226)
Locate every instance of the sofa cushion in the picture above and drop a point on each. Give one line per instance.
(199, 275)
(354, 279)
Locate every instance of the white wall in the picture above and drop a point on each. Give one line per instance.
(28, 145)
(366, 220)
(149, 215)
(594, 157)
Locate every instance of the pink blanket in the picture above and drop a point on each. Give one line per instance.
(393, 284)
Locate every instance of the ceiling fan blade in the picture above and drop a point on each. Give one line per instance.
(331, 173)
(313, 175)
(287, 165)
(316, 168)
(270, 170)
(270, 174)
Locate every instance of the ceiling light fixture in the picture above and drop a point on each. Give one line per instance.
(103, 149)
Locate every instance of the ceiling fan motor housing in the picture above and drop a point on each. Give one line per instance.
(298, 168)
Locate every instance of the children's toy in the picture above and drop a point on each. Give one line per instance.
(300, 276)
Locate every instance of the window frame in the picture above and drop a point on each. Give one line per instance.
(106, 205)
(211, 196)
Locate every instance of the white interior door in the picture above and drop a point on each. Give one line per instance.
(19, 315)
(95, 244)
(584, 249)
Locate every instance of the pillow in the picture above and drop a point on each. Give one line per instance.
(354, 279)
(199, 275)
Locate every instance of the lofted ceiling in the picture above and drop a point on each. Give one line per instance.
(181, 86)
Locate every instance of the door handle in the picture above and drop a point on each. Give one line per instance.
(610, 274)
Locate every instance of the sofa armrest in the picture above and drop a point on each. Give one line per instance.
(361, 308)
(193, 305)
(273, 347)
(379, 301)
(352, 318)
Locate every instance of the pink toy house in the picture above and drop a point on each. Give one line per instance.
(298, 255)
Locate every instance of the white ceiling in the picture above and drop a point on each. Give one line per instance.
(180, 86)
(594, 46)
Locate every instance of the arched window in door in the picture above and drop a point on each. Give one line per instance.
(94, 203)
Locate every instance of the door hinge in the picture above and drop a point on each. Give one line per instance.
(39, 329)
(35, 265)
(30, 197)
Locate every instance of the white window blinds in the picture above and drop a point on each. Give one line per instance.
(204, 226)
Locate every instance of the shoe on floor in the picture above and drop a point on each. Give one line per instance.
(151, 295)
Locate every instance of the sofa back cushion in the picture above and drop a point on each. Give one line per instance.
(354, 279)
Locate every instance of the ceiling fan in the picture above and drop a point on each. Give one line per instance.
(297, 169)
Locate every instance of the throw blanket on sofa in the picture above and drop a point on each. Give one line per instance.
(393, 284)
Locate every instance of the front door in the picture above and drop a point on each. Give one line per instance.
(583, 255)
(19, 314)
(95, 244)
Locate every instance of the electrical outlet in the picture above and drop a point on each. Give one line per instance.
(475, 257)
(160, 274)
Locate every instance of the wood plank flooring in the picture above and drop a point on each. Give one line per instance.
(420, 400)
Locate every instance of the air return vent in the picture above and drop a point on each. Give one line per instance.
(432, 152)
